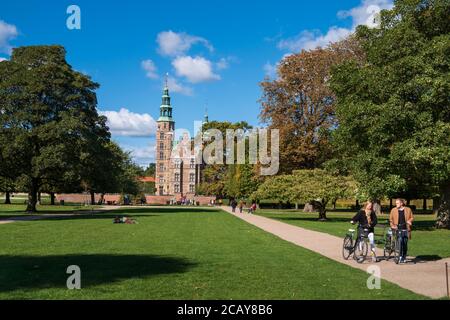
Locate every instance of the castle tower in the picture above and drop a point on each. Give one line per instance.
(164, 143)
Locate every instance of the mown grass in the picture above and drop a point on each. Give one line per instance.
(172, 253)
(426, 243)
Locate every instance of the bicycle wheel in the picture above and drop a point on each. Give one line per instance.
(397, 250)
(347, 247)
(361, 249)
(388, 246)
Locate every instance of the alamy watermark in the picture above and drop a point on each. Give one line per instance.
(254, 146)
(74, 280)
(374, 280)
(73, 22)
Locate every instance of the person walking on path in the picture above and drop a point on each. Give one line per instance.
(233, 205)
(367, 219)
(241, 206)
(252, 208)
(401, 220)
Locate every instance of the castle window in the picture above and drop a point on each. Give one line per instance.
(161, 155)
(161, 146)
(161, 167)
(192, 164)
(177, 188)
(161, 179)
(177, 177)
(191, 188)
(192, 177)
(161, 135)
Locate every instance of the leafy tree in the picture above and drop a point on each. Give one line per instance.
(394, 111)
(301, 105)
(226, 180)
(151, 170)
(305, 186)
(7, 186)
(48, 114)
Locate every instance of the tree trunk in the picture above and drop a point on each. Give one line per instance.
(424, 205)
(39, 198)
(322, 214)
(92, 198)
(334, 204)
(52, 198)
(436, 203)
(32, 197)
(408, 202)
(296, 206)
(443, 216)
(7, 197)
(390, 204)
(323, 211)
(357, 204)
(102, 198)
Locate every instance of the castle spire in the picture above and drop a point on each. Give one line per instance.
(165, 110)
(206, 119)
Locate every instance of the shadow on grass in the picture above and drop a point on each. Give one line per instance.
(313, 219)
(164, 210)
(46, 272)
(425, 258)
(127, 212)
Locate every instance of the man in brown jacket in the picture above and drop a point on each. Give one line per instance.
(401, 219)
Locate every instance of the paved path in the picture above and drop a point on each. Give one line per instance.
(425, 277)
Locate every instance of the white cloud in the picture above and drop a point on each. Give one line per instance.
(150, 69)
(270, 70)
(222, 64)
(130, 124)
(364, 14)
(2, 59)
(174, 44)
(7, 33)
(308, 40)
(142, 156)
(196, 69)
(175, 86)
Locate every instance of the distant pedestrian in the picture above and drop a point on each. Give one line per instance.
(252, 208)
(233, 205)
(241, 206)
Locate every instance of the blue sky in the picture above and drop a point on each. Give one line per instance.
(216, 53)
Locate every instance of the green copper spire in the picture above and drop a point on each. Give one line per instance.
(165, 110)
(206, 119)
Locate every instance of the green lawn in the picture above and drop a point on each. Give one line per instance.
(427, 242)
(172, 253)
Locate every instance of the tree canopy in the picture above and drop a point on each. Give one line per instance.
(394, 110)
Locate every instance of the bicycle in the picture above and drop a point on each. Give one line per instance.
(390, 240)
(359, 247)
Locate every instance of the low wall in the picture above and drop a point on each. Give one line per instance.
(162, 200)
(115, 198)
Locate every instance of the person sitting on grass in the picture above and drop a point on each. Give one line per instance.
(367, 219)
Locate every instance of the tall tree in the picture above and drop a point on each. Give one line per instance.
(225, 180)
(305, 186)
(301, 104)
(394, 111)
(48, 115)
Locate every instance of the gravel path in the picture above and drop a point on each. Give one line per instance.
(423, 277)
